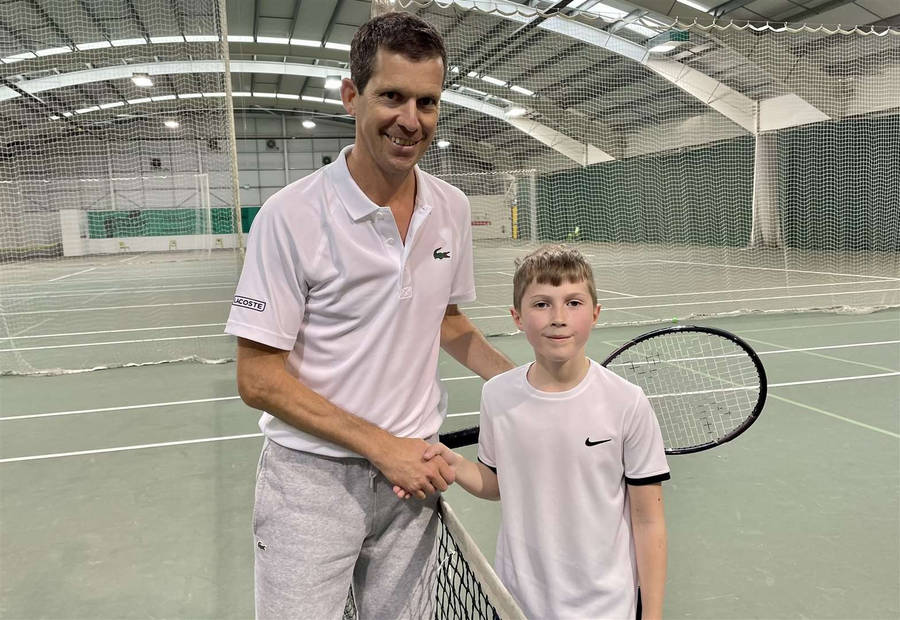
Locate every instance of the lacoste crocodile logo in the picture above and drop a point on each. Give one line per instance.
(438, 255)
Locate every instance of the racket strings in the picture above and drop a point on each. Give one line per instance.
(702, 387)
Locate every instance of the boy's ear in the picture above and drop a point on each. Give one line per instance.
(516, 318)
(596, 312)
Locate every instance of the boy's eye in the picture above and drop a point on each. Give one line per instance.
(540, 304)
(574, 302)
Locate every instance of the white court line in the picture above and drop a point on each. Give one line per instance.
(861, 321)
(823, 273)
(27, 329)
(40, 457)
(111, 331)
(179, 303)
(101, 344)
(71, 274)
(175, 288)
(173, 403)
(715, 301)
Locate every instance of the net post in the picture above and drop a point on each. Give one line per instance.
(232, 140)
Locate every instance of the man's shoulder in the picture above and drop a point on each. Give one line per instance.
(442, 191)
(300, 192)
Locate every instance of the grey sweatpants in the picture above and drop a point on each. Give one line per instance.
(321, 524)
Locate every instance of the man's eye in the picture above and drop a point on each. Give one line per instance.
(390, 95)
(427, 102)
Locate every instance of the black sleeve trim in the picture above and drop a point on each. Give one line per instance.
(636, 482)
(493, 469)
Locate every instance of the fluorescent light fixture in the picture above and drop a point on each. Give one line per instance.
(52, 51)
(263, 95)
(308, 124)
(333, 101)
(93, 108)
(575, 4)
(332, 82)
(67, 114)
(492, 80)
(642, 30)
(311, 98)
(201, 38)
(11, 60)
(164, 98)
(306, 43)
(515, 112)
(240, 38)
(172, 39)
(693, 5)
(172, 124)
(127, 42)
(92, 46)
(337, 46)
(190, 96)
(55, 118)
(664, 47)
(454, 69)
(112, 104)
(213, 94)
(522, 91)
(241, 93)
(442, 144)
(286, 96)
(604, 10)
(472, 74)
(139, 101)
(17, 57)
(276, 40)
(142, 79)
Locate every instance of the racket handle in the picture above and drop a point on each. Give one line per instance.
(458, 439)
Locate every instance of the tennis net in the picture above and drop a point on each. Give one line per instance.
(466, 586)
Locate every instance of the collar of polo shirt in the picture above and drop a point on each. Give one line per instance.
(358, 205)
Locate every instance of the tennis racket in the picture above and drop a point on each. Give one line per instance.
(706, 385)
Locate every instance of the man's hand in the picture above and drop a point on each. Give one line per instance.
(405, 466)
(435, 452)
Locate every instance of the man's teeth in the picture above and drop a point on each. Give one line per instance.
(401, 142)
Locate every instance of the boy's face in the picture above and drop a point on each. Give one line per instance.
(397, 113)
(557, 320)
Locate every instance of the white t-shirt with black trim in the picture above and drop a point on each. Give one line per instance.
(327, 278)
(563, 459)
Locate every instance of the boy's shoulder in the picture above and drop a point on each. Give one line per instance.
(609, 379)
(506, 380)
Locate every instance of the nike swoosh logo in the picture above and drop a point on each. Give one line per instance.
(589, 443)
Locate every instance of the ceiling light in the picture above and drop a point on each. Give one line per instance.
(521, 90)
(516, 112)
(309, 124)
(332, 82)
(142, 79)
(172, 124)
(693, 5)
(493, 80)
(442, 144)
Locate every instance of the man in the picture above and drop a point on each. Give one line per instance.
(350, 286)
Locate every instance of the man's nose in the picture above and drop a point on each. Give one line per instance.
(408, 116)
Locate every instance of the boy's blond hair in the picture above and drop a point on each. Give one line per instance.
(551, 264)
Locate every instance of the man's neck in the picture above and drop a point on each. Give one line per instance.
(380, 189)
(549, 376)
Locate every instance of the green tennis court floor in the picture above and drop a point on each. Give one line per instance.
(126, 493)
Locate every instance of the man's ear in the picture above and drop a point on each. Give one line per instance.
(349, 95)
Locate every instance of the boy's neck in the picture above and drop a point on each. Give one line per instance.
(549, 376)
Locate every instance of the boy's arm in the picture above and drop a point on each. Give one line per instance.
(649, 530)
(462, 340)
(475, 477)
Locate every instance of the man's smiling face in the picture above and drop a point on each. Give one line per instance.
(396, 114)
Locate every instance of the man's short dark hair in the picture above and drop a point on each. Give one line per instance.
(401, 33)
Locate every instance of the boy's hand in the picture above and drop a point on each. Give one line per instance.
(434, 450)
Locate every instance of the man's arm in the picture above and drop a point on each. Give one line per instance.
(461, 339)
(264, 383)
(649, 529)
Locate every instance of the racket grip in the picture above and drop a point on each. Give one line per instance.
(458, 439)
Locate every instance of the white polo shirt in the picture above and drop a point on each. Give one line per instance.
(563, 459)
(327, 278)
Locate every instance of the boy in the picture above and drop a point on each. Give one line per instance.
(577, 456)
